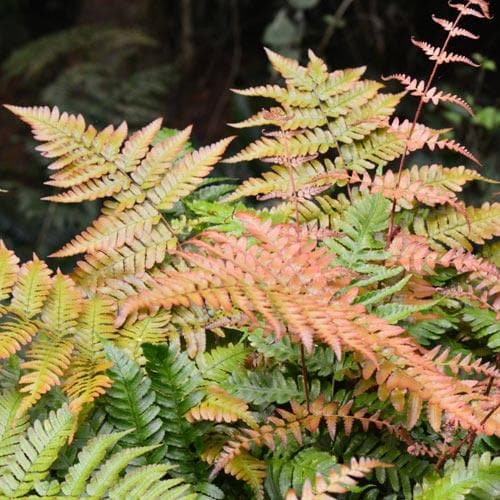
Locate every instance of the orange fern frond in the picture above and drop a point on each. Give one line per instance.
(465, 10)
(441, 56)
(422, 135)
(339, 480)
(285, 281)
(418, 88)
(292, 424)
(454, 30)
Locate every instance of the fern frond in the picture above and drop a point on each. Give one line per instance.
(11, 428)
(218, 363)
(153, 329)
(9, 270)
(131, 259)
(160, 159)
(285, 474)
(418, 89)
(453, 30)
(448, 228)
(259, 387)
(425, 136)
(136, 146)
(479, 478)
(108, 473)
(130, 403)
(220, 406)
(89, 458)
(293, 424)
(187, 174)
(113, 231)
(76, 148)
(86, 377)
(47, 361)
(32, 288)
(431, 185)
(339, 480)
(441, 56)
(147, 482)
(248, 469)
(35, 453)
(176, 382)
(483, 5)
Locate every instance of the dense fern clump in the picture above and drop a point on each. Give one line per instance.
(340, 338)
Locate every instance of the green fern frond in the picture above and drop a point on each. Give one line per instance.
(176, 382)
(11, 427)
(264, 387)
(291, 472)
(147, 482)
(484, 324)
(217, 364)
(479, 478)
(357, 246)
(131, 403)
(89, 458)
(35, 453)
(108, 473)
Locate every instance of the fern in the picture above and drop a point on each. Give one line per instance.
(35, 453)
(478, 478)
(175, 380)
(130, 403)
(342, 318)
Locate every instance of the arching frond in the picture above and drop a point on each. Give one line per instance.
(339, 480)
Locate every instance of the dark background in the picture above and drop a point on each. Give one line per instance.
(136, 60)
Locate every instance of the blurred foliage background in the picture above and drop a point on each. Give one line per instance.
(114, 60)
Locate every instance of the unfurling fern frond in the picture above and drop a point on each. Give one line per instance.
(339, 480)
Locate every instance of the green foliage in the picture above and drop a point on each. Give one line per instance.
(479, 478)
(176, 382)
(131, 403)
